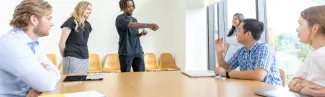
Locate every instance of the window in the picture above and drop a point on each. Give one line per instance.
(246, 7)
(282, 21)
(222, 14)
(216, 21)
(213, 34)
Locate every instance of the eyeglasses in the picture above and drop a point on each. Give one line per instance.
(238, 29)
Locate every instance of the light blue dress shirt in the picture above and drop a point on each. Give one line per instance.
(20, 66)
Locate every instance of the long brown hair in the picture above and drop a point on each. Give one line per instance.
(233, 28)
(315, 16)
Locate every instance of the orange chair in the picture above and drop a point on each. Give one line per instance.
(60, 68)
(52, 57)
(167, 62)
(150, 62)
(94, 63)
(112, 63)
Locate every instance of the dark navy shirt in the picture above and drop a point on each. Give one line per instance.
(129, 42)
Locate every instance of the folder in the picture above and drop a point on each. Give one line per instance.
(57, 95)
(276, 91)
(89, 77)
(78, 94)
(199, 73)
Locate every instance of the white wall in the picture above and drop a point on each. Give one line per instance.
(183, 28)
(196, 37)
(196, 34)
(169, 14)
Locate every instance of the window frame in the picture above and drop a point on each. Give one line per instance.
(222, 24)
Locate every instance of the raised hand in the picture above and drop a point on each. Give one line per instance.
(220, 46)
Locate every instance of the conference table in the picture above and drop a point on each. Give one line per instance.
(161, 84)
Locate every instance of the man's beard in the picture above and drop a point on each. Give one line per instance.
(39, 33)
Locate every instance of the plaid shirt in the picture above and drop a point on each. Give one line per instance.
(258, 56)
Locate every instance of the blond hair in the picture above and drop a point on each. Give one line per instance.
(78, 14)
(26, 9)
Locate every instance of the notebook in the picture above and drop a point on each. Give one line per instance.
(92, 77)
(78, 94)
(85, 94)
(277, 92)
(199, 73)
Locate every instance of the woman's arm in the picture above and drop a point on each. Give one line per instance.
(313, 90)
(64, 36)
(298, 83)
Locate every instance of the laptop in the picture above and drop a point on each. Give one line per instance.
(199, 73)
(92, 77)
(277, 92)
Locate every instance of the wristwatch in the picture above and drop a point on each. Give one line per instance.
(145, 26)
(227, 73)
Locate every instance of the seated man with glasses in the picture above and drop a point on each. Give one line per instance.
(256, 59)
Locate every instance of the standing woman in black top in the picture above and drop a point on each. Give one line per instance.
(74, 38)
(130, 50)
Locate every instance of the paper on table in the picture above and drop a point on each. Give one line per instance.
(94, 76)
(85, 94)
(219, 77)
(57, 95)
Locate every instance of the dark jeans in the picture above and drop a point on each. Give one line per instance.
(136, 61)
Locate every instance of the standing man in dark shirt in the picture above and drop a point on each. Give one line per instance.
(130, 50)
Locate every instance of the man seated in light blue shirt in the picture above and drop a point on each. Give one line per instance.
(256, 59)
(24, 68)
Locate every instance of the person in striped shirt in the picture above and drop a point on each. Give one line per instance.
(256, 59)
